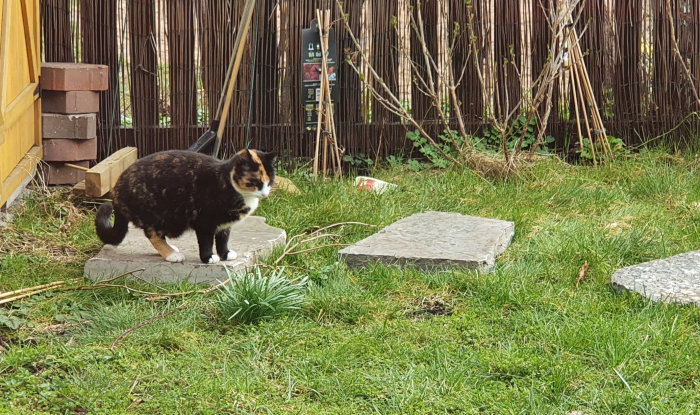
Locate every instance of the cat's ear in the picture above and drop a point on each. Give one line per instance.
(269, 157)
(244, 154)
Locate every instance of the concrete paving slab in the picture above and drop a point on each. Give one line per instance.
(674, 279)
(251, 239)
(434, 240)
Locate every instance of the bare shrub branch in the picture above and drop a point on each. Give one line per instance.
(500, 108)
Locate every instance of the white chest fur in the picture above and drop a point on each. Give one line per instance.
(251, 201)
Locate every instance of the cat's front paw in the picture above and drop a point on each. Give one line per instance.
(213, 259)
(175, 257)
(174, 248)
(230, 256)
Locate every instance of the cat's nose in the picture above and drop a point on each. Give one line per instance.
(266, 190)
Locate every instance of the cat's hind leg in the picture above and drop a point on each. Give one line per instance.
(222, 245)
(167, 251)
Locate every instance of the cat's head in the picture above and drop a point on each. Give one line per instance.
(253, 172)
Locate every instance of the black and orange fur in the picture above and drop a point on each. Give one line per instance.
(169, 192)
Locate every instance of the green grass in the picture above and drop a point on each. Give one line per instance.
(523, 340)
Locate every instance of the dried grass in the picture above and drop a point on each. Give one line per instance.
(51, 205)
(21, 242)
(491, 166)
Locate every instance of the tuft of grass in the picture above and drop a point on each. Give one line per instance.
(252, 297)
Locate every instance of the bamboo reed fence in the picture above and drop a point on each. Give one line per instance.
(168, 58)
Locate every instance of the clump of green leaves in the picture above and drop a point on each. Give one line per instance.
(520, 127)
(446, 141)
(454, 144)
(320, 275)
(72, 312)
(617, 147)
(359, 161)
(13, 318)
(253, 297)
(395, 161)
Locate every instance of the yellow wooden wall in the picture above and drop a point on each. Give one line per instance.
(20, 106)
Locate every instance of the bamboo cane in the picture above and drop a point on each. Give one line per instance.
(596, 119)
(577, 74)
(325, 105)
(75, 166)
(24, 290)
(318, 128)
(577, 81)
(330, 117)
(241, 36)
(575, 99)
(10, 296)
(319, 121)
(331, 113)
(320, 18)
(325, 155)
(29, 294)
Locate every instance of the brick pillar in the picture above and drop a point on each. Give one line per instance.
(70, 102)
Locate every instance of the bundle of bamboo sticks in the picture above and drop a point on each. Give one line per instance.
(325, 129)
(10, 296)
(584, 100)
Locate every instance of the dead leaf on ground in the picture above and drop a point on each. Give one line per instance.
(617, 227)
(583, 273)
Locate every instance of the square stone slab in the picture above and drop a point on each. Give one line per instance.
(434, 240)
(674, 279)
(251, 239)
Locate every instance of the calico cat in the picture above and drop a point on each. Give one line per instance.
(169, 192)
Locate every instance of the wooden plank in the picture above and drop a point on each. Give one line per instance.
(19, 138)
(20, 174)
(27, 24)
(4, 53)
(100, 179)
(18, 107)
(79, 189)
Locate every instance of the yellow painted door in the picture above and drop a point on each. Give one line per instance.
(20, 107)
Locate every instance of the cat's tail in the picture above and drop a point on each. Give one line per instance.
(108, 233)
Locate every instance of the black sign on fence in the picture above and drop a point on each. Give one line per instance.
(312, 68)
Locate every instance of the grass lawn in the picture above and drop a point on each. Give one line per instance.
(526, 339)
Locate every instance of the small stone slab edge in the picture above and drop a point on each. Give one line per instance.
(671, 280)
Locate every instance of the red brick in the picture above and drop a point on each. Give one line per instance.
(70, 102)
(64, 149)
(59, 173)
(69, 125)
(62, 76)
